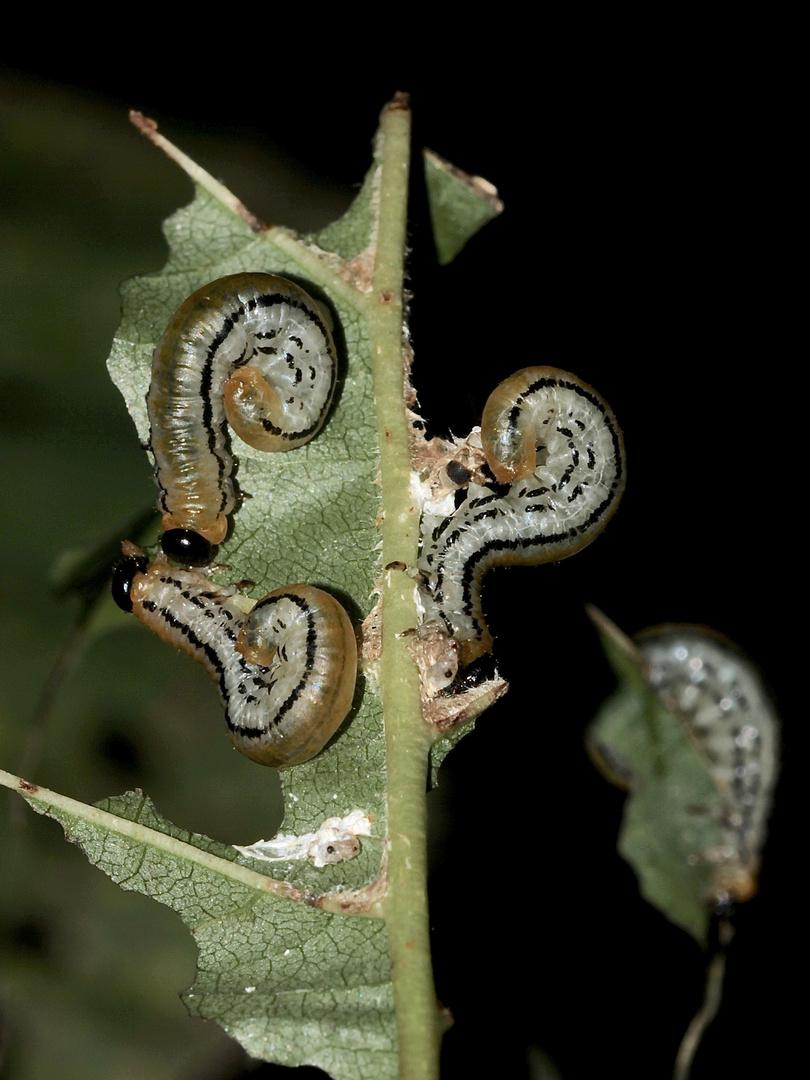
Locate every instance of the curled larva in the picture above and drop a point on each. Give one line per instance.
(252, 348)
(721, 697)
(557, 453)
(285, 671)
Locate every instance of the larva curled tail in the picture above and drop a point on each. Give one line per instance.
(255, 349)
(285, 671)
(556, 453)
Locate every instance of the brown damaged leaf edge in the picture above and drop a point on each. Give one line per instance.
(400, 101)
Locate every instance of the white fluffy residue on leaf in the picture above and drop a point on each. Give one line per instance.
(335, 841)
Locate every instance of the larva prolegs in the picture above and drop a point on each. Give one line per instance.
(251, 348)
(286, 670)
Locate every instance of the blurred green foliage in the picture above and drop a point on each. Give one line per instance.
(89, 979)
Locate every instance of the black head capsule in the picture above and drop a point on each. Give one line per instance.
(187, 546)
(479, 671)
(457, 473)
(123, 576)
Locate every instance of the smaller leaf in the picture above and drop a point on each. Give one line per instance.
(694, 741)
(353, 232)
(459, 205)
(292, 982)
(458, 725)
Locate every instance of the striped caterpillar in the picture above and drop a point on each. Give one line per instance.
(720, 695)
(285, 671)
(252, 348)
(557, 455)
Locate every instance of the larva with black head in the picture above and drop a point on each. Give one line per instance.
(286, 670)
(557, 455)
(250, 348)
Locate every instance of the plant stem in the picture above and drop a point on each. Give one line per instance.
(408, 737)
(712, 998)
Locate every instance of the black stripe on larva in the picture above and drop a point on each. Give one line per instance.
(484, 500)
(493, 513)
(162, 492)
(206, 376)
(248, 671)
(265, 300)
(295, 693)
(439, 529)
(471, 573)
(467, 567)
(310, 312)
(600, 405)
(486, 555)
(566, 476)
(203, 647)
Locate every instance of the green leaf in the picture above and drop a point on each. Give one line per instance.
(459, 204)
(673, 808)
(352, 235)
(291, 982)
(462, 725)
(304, 964)
(693, 733)
(312, 514)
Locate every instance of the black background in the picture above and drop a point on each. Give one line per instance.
(637, 249)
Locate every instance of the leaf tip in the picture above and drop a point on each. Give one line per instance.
(400, 102)
(144, 124)
(459, 204)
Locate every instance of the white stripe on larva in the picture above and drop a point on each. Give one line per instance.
(285, 671)
(557, 453)
(732, 718)
(254, 348)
